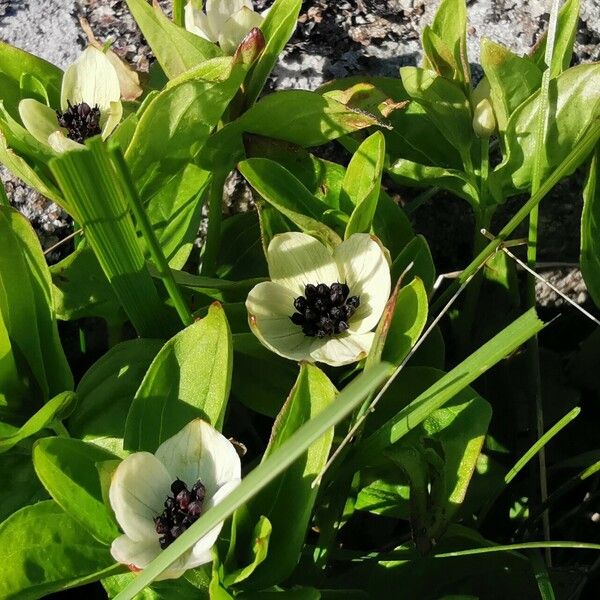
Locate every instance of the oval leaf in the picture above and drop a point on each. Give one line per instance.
(189, 378)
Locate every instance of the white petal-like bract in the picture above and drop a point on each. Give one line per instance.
(91, 79)
(200, 452)
(364, 267)
(138, 489)
(296, 259)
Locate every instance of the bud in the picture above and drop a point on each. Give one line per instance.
(484, 121)
(250, 47)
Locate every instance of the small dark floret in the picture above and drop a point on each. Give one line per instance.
(81, 121)
(324, 310)
(182, 509)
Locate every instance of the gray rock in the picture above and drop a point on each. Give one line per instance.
(44, 27)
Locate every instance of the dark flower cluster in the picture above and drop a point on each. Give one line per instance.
(324, 310)
(80, 120)
(182, 509)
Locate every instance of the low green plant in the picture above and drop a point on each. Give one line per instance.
(254, 414)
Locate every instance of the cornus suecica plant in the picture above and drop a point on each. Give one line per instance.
(156, 497)
(313, 325)
(90, 105)
(320, 305)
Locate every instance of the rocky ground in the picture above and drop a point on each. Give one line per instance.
(333, 39)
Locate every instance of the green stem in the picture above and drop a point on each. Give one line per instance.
(179, 12)
(482, 221)
(60, 429)
(3, 197)
(152, 242)
(213, 234)
(568, 165)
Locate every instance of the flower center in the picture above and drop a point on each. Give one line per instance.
(80, 120)
(182, 509)
(324, 309)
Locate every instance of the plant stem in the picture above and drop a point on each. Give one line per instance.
(179, 12)
(152, 242)
(575, 158)
(213, 234)
(60, 429)
(3, 197)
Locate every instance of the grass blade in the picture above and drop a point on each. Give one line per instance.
(501, 345)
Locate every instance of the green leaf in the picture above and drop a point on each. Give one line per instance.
(291, 493)
(276, 464)
(260, 547)
(207, 288)
(321, 177)
(574, 103)
(286, 194)
(450, 27)
(302, 117)
(67, 468)
(15, 62)
(106, 391)
(44, 550)
(590, 230)
(243, 254)
(401, 323)
(445, 104)
(406, 172)
(459, 427)
(27, 308)
(189, 378)
(391, 225)
(181, 589)
(512, 79)
(89, 181)
(81, 289)
(53, 409)
(408, 320)
(175, 212)
(178, 121)
(21, 485)
(176, 49)
(566, 30)
(416, 251)
(448, 386)
(438, 55)
(361, 185)
(277, 28)
(263, 395)
(10, 95)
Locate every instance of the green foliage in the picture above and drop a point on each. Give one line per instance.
(67, 468)
(33, 358)
(291, 492)
(590, 224)
(343, 494)
(189, 378)
(106, 391)
(574, 102)
(45, 550)
(176, 49)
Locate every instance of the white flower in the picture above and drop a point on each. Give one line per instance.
(143, 482)
(225, 21)
(331, 323)
(90, 101)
